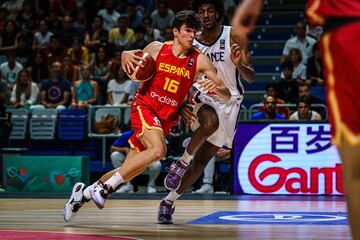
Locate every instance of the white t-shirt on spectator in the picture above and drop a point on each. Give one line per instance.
(110, 21)
(43, 40)
(305, 47)
(10, 75)
(298, 72)
(33, 97)
(118, 90)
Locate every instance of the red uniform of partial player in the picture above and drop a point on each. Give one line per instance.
(157, 102)
(340, 53)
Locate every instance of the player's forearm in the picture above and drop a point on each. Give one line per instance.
(223, 92)
(247, 72)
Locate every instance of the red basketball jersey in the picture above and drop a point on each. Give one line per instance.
(319, 10)
(173, 79)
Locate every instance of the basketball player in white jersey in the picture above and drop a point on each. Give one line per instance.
(212, 121)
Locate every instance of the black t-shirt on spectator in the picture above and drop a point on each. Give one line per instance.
(55, 89)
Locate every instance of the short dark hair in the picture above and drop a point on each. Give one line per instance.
(187, 17)
(218, 4)
(271, 85)
(304, 99)
(287, 64)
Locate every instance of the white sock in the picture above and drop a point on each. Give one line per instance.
(172, 196)
(86, 192)
(186, 158)
(115, 180)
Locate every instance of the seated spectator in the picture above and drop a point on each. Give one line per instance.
(305, 91)
(101, 72)
(54, 23)
(10, 69)
(118, 89)
(140, 42)
(315, 71)
(168, 34)
(303, 112)
(135, 16)
(299, 71)
(271, 90)
(3, 15)
(269, 111)
(26, 19)
(24, 53)
(109, 15)
(38, 68)
(63, 7)
(122, 35)
(42, 36)
(92, 38)
(54, 51)
(85, 91)
(8, 38)
(67, 33)
(119, 149)
(288, 86)
(70, 70)
(25, 92)
(300, 41)
(162, 16)
(78, 53)
(152, 34)
(55, 91)
(81, 25)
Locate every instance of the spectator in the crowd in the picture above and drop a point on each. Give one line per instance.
(299, 71)
(42, 36)
(54, 51)
(305, 91)
(68, 33)
(25, 92)
(168, 34)
(271, 90)
(85, 91)
(10, 69)
(303, 112)
(288, 86)
(109, 15)
(64, 7)
(314, 70)
(24, 53)
(70, 70)
(82, 24)
(78, 53)
(118, 89)
(140, 42)
(122, 35)
(41, 8)
(152, 34)
(135, 16)
(119, 149)
(269, 111)
(26, 19)
(92, 7)
(3, 15)
(162, 16)
(38, 68)
(314, 31)
(300, 41)
(92, 38)
(14, 7)
(8, 38)
(101, 72)
(209, 172)
(55, 91)
(115, 62)
(54, 23)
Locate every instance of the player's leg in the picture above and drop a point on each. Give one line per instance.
(350, 156)
(202, 157)
(209, 123)
(154, 142)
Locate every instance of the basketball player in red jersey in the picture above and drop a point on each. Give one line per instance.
(340, 52)
(155, 107)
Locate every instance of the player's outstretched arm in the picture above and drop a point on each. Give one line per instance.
(213, 83)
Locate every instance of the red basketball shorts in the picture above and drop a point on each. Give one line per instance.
(341, 53)
(143, 117)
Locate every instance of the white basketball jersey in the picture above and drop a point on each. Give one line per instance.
(219, 53)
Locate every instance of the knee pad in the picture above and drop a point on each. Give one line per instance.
(117, 159)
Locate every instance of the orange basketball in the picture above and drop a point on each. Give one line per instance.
(143, 74)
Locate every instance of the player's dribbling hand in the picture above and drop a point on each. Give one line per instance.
(129, 60)
(187, 115)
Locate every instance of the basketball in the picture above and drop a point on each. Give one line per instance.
(143, 74)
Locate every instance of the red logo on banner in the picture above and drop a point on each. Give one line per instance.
(330, 174)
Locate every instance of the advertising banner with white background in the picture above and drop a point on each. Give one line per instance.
(286, 158)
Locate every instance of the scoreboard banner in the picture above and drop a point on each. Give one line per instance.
(286, 158)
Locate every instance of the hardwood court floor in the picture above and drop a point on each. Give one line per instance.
(137, 219)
